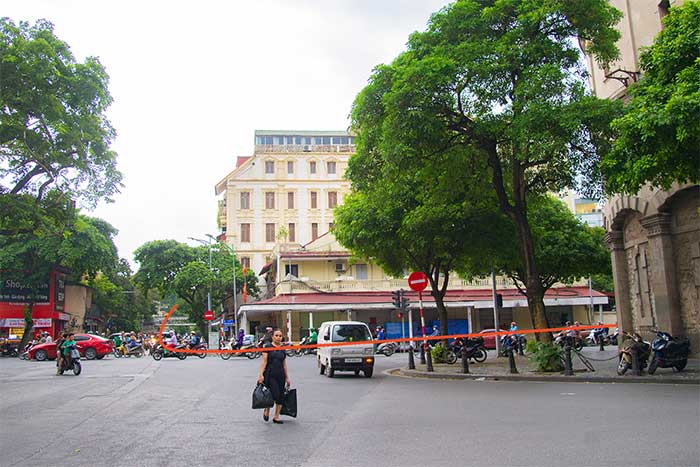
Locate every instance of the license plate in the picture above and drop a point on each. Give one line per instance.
(353, 360)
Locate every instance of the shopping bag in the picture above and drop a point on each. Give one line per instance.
(262, 397)
(289, 406)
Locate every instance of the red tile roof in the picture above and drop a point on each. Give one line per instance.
(241, 160)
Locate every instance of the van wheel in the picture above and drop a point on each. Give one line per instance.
(330, 372)
(357, 372)
(369, 372)
(321, 369)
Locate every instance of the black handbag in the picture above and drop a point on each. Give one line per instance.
(262, 397)
(289, 406)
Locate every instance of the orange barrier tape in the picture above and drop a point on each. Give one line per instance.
(344, 344)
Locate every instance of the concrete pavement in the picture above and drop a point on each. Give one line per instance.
(197, 413)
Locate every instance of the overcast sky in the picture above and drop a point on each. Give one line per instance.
(192, 81)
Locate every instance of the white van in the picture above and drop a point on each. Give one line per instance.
(346, 357)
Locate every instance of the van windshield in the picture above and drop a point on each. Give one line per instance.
(350, 333)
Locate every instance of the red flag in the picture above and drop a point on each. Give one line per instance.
(245, 285)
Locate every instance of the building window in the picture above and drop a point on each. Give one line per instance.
(245, 262)
(292, 269)
(280, 140)
(331, 167)
(318, 140)
(290, 200)
(245, 200)
(332, 199)
(307, 140)
(269, 233)
(264, 139)
(269, 167)
(290, 167)
(245, 233)
(326, 140)
(297, 140)
(314, 231)
(292, 228)
(312, 167)
(269, 200)
(361, 272)
(314, 200)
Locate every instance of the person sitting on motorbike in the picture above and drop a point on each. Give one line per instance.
(240, 337)
(172, 340)
(313, 337)
(194, 340)
(65, 350)
(599, 333)
(267, 338)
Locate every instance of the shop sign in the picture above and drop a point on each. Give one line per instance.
(60, 291)
(19, 332)
(19, 323)
(13, 291)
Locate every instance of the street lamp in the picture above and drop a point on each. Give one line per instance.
(233, 255)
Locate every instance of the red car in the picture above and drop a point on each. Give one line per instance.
(90, 347)
(490, 338)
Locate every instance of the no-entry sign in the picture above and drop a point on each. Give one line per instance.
(418, 281)
(209, 315)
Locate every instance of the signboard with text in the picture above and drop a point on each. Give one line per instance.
(17, 291)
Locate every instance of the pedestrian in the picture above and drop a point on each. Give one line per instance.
(273, 374)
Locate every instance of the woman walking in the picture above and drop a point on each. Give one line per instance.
(273, 374)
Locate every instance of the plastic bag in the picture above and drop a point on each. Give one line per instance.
(289, 406)
(262, 397)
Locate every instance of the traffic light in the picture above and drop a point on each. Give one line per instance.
(396, 298)
(404, 303)
(399, 315)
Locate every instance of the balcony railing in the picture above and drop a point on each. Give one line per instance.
(300, 148)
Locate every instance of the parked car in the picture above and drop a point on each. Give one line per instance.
(89, 346)
(490, 338)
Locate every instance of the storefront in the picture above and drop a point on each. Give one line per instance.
(47, 311)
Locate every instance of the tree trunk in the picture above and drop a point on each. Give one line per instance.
(442, 315)
(28, 326)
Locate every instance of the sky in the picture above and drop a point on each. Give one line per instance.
(192, 81)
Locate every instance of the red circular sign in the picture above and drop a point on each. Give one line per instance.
(418, 281)
(209, 315)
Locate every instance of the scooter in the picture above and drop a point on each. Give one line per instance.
(162, 352)
(634, 342)
(511, 341)
(669, 352)
(611, 339)
(75, 362)
(387, 348)
(200, 346)
(561, 340)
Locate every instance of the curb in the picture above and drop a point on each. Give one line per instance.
(557, 379)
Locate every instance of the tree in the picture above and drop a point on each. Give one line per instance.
(53, 130)
(503, 81)
(658, 137)
(403, 220)
(38, 236)
(566, 248)
(176, 268)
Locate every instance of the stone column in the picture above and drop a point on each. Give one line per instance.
(615, 242)
(663, 273)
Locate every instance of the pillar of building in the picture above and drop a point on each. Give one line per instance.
(615, 242)
(663, 273)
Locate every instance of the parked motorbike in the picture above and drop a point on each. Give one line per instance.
(474, 346)
(577, 342)
(611, 339)
(596, 335)
(8, 350)
(387, 348)
(669, 352)
(74, 362)
(634, 342)
(162, 352)
(511, 341)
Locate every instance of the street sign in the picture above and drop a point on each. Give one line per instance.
(418, 281)
(227, 322)
(209, 315)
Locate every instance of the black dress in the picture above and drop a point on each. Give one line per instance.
(274, 374)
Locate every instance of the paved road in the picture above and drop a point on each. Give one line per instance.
(132, 412)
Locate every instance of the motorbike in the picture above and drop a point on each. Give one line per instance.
(162, 352)
(611, 339)
(200, 346)
(25, 353)
(8, 350)
(561, 340)
(75, 362)
(387, 348)
(634, 342)
(124, 351)
(595, 335)
(474, 346)
(669, 352)
(511, 341)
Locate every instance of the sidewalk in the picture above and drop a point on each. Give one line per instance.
(497, 369)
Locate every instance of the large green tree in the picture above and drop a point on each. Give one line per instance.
(436, 218)
(502, 80)
(176, 268)
(54, 133)
(658, 138)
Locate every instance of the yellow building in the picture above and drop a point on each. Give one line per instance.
(285, 192)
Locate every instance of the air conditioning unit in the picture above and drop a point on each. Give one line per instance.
(340, 267)
(307, 148)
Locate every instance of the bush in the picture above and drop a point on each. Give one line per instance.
(439, 353)
(545, 356)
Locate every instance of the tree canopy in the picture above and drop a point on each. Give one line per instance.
(658, 137)
(54, 133)
(503, 81)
